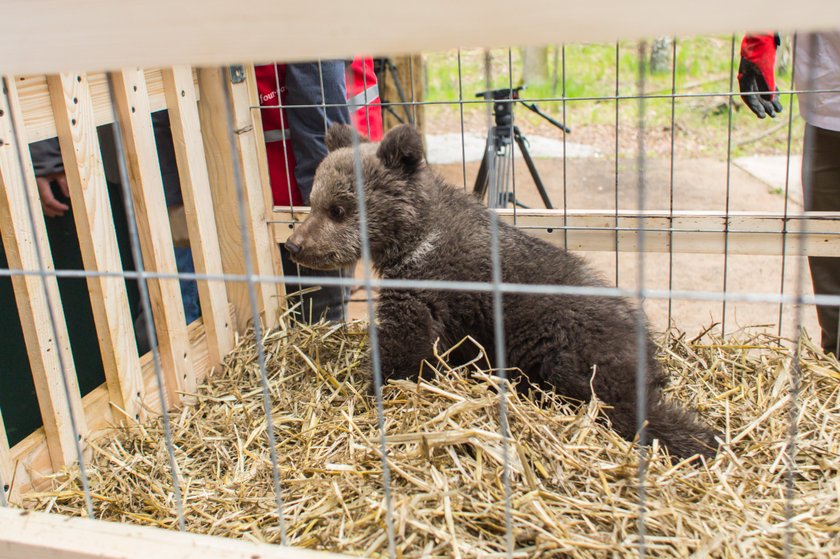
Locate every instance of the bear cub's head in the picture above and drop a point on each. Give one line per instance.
(392, 173)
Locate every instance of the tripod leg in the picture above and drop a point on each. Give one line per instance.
(500, 184)
(400, 93)
(391, 110)
(520, 141)
(481, 179)
(382, 78)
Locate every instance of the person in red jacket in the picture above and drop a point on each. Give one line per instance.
(299, 102)
(816, 69)
(363, 98)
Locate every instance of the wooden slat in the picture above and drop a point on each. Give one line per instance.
(220, 172)
(38, 535)
(73, 109)
(37, 109)
(198, 204)
(30, 457)
(153, 229)
(756, 233)
(6, 467)
(42, 343)
(248, 120)
(213, 111)
(98, 34)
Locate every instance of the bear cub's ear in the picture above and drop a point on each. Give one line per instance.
(340, 136)
(402, 149)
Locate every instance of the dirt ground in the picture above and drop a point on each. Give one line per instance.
(699, 184)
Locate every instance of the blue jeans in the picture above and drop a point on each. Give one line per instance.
(189, 297)
(308, 124)
(189, 288)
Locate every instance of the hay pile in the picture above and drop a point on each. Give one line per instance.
(575, 490)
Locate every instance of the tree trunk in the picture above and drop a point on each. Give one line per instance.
(784, 54)
(535, 65)
(660, 55)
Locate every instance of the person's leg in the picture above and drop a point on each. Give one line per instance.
(821, 185)
(329, 302)
(189, 287)
(308, 124)
(313, 84)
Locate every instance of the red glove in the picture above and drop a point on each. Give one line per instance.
(756, 74)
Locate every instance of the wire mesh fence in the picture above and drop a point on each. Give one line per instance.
(649, 207)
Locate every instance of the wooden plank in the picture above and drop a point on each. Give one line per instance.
(38, 535)
(6, 467)
(198, 205)
(42, 343)
(220, 163)
(30, 457)
(107, 34)
(756, 233)
(248, 119)
(37, 109)
(154, 232)
(220, 172)
(73, 109)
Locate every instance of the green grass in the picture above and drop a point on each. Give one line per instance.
(703, 65)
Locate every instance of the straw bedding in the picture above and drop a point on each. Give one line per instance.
(575, 490)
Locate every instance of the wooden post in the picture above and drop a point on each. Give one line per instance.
(259, 165)
(132, 106)
(410, 73)
(198, 205)
(72, 106)
(42, 344)
(264, 253)
(251, 143)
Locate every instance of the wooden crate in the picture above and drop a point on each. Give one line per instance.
(70, 106)
(55, 36)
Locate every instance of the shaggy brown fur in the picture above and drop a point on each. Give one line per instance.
(421, 228)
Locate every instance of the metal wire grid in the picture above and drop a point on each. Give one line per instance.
(497, 287)
(619, 98)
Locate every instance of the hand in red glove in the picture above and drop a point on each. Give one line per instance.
(756, 74)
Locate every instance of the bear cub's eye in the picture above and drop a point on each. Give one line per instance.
(337, 212)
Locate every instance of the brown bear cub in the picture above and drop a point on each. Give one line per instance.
(421, 228)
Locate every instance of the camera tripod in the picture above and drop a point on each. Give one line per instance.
(493, 174)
